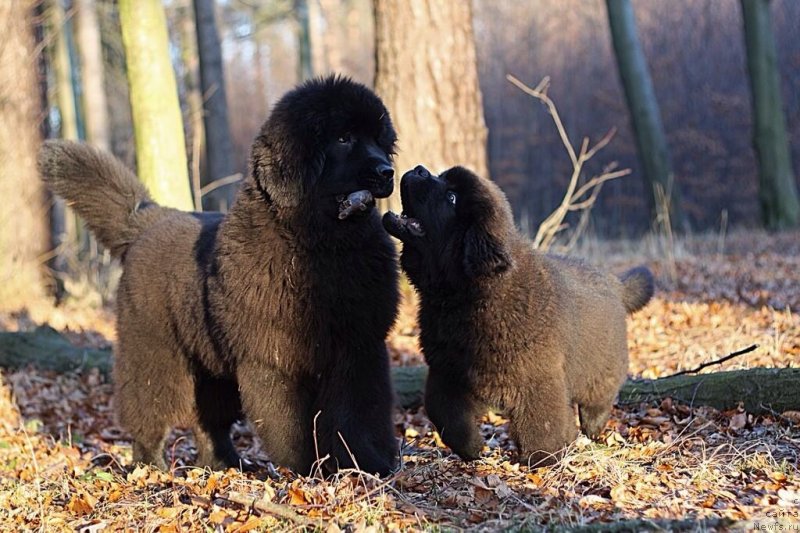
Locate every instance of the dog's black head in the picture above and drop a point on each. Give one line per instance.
(325, 139)
(454, 227)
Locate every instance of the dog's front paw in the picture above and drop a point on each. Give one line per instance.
(469, 449)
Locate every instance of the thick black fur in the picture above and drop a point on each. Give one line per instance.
(278, 310)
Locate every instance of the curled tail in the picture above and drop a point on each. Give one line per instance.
(637, 288)
(103, 191)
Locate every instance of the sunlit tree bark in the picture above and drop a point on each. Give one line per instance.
(427, 75)
(158, 128)
(23, 227)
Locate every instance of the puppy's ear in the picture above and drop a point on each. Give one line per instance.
(485, 254)
(283, 169)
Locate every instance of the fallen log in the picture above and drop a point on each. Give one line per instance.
(760, 390)
(48, 349)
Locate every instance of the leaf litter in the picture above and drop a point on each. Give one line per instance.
(66, 466)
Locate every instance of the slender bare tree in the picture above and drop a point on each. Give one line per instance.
(777, 190)
(219, 148)
(90, 50)
(305, 69)
(651, 141)
(64, 225)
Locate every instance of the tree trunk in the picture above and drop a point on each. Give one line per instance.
(63, 223)
(777, 188)
(219, 147)
(651, 142)
(158, 128)
(62, 69)
(95, 108)
(193, 119)
(305, 68)
(23, 227)
(427, 74)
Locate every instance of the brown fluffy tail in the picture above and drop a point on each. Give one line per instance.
(105, 193)
(637, 288)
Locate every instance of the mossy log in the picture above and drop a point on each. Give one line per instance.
(48, 349)
(760, 390)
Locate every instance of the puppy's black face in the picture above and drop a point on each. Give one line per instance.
(454, 227)
(325, 139)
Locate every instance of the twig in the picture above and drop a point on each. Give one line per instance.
(274, 509)
(216, 184)
(716, 362)
(197, 141)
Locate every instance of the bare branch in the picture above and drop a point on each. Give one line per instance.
(578, 196)
(540, 93)
(216, 184)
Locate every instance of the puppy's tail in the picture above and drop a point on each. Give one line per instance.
(108, 196)
(637, 288)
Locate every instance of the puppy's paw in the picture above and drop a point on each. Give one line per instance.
(470, 450)
(539, 459)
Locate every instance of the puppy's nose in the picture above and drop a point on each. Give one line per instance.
(386, 171)
(422, 172)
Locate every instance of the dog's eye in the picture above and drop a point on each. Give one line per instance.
(345, 139)
(451, 198)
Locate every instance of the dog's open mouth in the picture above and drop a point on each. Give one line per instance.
(355, 202)
(402, 225)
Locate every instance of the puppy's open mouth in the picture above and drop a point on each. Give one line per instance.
(402, 225)
(355, 202)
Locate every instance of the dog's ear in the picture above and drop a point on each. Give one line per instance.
(485, 254)
(284, 169)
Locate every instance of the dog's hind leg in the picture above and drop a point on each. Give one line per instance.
(148, 448)
(152, 393)
(215, 449)
(218, 408)
(543, 420)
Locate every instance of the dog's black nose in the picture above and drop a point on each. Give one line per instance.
(386, 171)
(422, 172)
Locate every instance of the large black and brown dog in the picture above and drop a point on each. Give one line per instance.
(278, 309)
(505, 326)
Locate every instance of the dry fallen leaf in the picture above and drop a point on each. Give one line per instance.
(81, 505)
(297, 496)
(738, 421)
(218, 516)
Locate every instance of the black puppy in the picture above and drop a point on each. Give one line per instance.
(278, 309)
(503, 325)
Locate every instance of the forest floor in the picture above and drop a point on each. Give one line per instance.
(65, 465)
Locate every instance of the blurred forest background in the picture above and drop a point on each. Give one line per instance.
(69, 68)
(691, 109)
